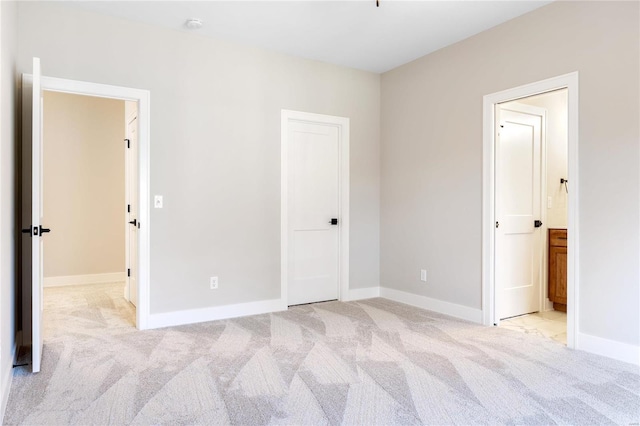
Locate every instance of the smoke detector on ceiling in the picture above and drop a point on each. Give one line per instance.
(193, 24)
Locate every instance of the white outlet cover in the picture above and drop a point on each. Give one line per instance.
(423, 275)
(157, 201)
(213, 283)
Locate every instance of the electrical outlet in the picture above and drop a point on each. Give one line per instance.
(423, 275)
(157, 201)
(549, 202)
(213, 283)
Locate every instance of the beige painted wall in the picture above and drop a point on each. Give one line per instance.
(83, 185)
(432, 156)
(555, 104)
(8, 194)
(215, 145)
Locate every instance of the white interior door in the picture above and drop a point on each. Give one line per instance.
(131, 288)
(313, 201)
(36, 219)
(518, 267)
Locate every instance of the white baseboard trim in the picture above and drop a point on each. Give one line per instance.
(5, 386)
(109, 277)
(609, 348)
(193, 316)
(440, 306)
(362, 293)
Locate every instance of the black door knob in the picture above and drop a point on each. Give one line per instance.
(44, 230)
(537, 223)
(334, 221)
(134, 222)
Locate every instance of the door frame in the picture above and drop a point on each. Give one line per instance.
(542, 113)
(566, 81)
(143, 98)
(342, 124)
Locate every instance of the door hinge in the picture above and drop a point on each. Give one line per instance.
(128, 272)
(497, 224)
(128, 208)
(128, 143)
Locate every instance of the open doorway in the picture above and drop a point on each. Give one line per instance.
(34, 227)
(491, 297)
(532, 191)
(88, 170)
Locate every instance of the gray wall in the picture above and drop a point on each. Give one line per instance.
(215, 145)
(84, 194)
(8, 133)
(432, 156)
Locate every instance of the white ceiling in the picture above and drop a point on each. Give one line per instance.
(354, 34)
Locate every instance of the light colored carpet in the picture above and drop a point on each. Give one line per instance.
(367, 362)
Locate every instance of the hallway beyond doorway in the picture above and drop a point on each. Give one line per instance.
(90, 309)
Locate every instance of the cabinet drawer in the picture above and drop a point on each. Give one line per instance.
(558, 237)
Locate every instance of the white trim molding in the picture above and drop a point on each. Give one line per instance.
(362, 293)
(143, 98)
(609, 348)
(342, 125)
(5, 386)
(194, 316)
(435, 305)
(61, 281)
(570, 82)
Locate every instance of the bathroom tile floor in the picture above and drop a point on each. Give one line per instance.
(551, 324)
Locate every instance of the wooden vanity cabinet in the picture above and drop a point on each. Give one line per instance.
(558, 269)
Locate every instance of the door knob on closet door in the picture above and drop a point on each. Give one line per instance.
(333, 221)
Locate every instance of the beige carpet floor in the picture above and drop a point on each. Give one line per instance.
(367, 362)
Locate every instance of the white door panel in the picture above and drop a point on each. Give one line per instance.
(36, 220)
(313, 202)
(315, 271)
(132, 201)
(518, 206)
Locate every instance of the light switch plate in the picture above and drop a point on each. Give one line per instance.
(157, 201)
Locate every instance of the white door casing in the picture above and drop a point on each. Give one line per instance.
(143, 98)
(314, 191)
(131, 229)
(567, 81)
(518, 249)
